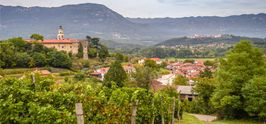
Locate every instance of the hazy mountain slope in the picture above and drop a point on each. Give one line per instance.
(99, 21)
(206, 40)
(78, 21)
(253, 25)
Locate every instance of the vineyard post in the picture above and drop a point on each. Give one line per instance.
(33, 78)
(178, 111)
(79, 113)
(173, 112)
(153, 114)
(134, 112)
(162, 115)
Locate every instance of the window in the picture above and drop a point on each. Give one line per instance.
(70, 46)
(62, 47)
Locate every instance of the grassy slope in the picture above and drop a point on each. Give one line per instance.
(189, 119)
(234, 122)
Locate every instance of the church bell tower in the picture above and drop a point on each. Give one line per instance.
(60, 35)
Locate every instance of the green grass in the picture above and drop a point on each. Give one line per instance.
(189, 119)
(234, 122)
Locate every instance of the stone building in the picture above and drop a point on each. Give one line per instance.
(66, 44)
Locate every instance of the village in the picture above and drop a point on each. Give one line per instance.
(86, 70)
(189, 70)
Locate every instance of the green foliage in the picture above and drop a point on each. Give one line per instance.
(43, 101)
(16, 52)
(59, 59)
(206, 73)
(119, 57)
(150, 63)
(80, 76)
(204, 87)
(189, 61)
(26, 101)
(96, 49)
(240, 67)
(80, 51)
(143, 77)
(7, 52)
(115, 74)
(255, 95)
(92, 52)
(103, 53)
(209, 63)
(36, 37)
(66, 73)
(22, 59)
(40, 59)
(180, 80)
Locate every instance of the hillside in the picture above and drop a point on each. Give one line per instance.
(229, 39)
(251, 25)
(99, 21)
(78, 21)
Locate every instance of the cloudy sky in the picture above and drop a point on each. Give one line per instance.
(161, 8)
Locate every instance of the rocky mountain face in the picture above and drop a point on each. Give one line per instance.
(99, 21)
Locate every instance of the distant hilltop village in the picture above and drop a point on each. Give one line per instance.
(206, 36)
(66, 44)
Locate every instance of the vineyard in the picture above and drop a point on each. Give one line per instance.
(37, 99)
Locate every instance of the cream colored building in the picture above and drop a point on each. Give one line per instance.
(66, 44)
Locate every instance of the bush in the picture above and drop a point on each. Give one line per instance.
(59, 59)
(66, 73)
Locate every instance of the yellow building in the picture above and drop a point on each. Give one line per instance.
(66, 44)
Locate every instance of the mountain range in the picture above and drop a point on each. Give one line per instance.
(98, 20)
(228, 39)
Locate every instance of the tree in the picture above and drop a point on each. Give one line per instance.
(206, 73)
(205, 87)
(103, 53)
(59, 59)
(143, 77)
(150, 63)
(180, 80)
(189, 61)
(37, 37)
(95, 42)
(92, 52)
(40, 59)
(209, 63)
(7, 52)
(255, 95)
(115, 74)
(19, 44)
(119, 57)
(240, 66)
(22, 59)
(80, 51)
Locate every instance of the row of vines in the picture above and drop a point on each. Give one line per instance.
(36, 99)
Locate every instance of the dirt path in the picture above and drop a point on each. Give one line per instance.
(206, 118)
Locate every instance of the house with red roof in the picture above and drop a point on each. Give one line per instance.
(68, 45)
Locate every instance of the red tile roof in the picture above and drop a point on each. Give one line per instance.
(54, 41)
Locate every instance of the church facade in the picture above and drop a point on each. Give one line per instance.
(66, 44)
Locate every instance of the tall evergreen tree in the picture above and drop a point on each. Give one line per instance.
(115, 74)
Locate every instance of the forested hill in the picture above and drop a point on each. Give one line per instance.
(231, 39)
(100, 21)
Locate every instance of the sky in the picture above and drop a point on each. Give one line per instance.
(160, 8)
